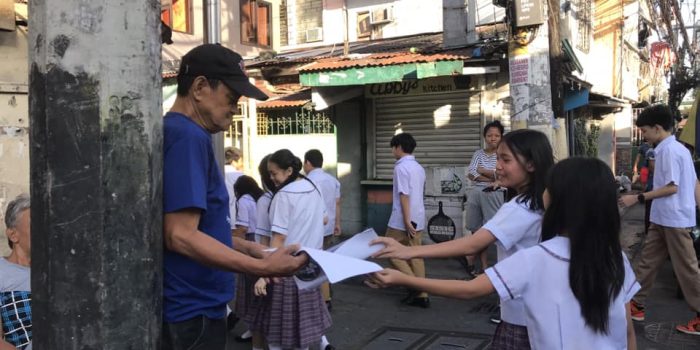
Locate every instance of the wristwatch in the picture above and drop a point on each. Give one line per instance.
(640, 198)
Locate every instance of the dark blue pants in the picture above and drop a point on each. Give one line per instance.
(199, 333)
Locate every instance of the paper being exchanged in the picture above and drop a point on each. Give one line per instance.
(339, 262)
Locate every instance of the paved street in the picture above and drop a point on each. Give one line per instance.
(374, 319)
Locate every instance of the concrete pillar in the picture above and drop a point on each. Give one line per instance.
(530, 85)
(96, 168)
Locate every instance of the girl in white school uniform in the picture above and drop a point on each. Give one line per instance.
(296, 319)
(577, 285)
(247, 193)
(524, 158)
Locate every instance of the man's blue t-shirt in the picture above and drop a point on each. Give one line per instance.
(191, 179)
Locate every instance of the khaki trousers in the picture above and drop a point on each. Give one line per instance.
(414, 267)
(326, 287)
(662, 241)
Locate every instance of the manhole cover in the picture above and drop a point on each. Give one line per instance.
(462, 342)
(394, 338)
(666, 334)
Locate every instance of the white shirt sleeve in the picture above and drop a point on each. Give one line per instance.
(262, 218)
(403, 181)
(510, 276)
(337, 189)
(511, 222)
(280, 212)
(244, 213)
(668, 169)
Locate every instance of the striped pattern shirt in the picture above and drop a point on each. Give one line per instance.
(484, 160)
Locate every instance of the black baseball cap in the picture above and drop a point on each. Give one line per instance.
(218, 62)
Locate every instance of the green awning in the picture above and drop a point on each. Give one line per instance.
(380, 74)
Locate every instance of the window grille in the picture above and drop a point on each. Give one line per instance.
(294, 122)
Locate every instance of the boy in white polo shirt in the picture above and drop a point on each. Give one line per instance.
(407, 220)
(672, 215)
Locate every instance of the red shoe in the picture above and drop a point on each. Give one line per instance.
(637, 311)
(693, 327)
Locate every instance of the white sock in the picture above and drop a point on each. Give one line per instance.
(274, 347)
(247, 334)
(324, 342)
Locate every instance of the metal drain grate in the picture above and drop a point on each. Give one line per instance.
(666, 334)
(394, 338)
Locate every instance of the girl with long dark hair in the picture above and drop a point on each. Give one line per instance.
(576, 286)
(296, 217)
(524, 158)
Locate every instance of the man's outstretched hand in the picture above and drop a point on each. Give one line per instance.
(283, 262)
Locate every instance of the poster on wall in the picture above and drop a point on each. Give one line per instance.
(519, 68)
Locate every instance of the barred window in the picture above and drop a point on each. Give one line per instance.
(294, 122)
(584, 22)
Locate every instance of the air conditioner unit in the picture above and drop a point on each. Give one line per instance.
(314, 34)
(381, 15)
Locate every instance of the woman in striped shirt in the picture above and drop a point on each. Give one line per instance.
(485, 197)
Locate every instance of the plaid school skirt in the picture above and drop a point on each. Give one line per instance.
(255, 316)
(510, 337)
(244, 288)
(295, 318)
(244, 294)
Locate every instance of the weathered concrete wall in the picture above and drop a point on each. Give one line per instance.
(14, 122)
(96, 170)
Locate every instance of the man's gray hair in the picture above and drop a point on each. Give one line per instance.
(15, 208)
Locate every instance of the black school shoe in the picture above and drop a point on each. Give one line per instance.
(496, 316)
(423, 302)
(240, 339)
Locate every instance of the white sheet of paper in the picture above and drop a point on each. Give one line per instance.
(344, 260)
(358, 245)
(336, 267)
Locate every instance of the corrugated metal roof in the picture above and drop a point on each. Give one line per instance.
(283, 96)
(374, 60)
(428, 42)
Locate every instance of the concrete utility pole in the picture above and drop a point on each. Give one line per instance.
(212, 35)
(530, 78)
(96, 167)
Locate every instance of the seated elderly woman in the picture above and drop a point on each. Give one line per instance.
(14, 278)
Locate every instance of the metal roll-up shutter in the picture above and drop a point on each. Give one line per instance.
(446, 126)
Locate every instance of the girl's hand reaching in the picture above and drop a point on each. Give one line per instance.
(388, 277)
(392, 249)
(260, 288)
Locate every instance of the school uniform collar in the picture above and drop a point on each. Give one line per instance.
(667, 141)
(316, 170)
(406, 158)
(558, 247)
